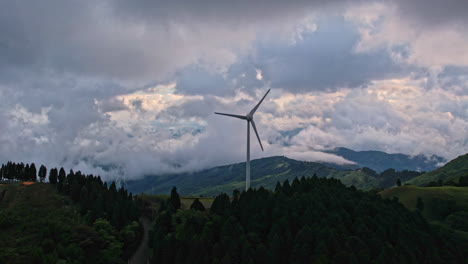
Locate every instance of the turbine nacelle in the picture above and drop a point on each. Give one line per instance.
(249, 117)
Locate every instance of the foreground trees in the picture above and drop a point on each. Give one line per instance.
(84, 222)
(307, 221)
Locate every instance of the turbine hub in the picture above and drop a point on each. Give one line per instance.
(249, 117)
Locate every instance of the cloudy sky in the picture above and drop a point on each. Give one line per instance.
(131, 86)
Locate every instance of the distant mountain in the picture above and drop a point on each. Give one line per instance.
(452, 171)
(380, 161)
(266, 172)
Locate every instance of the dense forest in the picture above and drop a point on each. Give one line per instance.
(311, 220)
(100, 227)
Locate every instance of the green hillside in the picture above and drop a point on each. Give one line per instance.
(408, 196)
(266, 173)
(452, 171)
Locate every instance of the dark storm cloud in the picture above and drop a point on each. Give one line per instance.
(321, 60)
(198, 80)
(434, 13)
(232, 12)
(325, 60)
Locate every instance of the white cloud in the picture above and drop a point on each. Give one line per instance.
(132, 86)
(385, 25)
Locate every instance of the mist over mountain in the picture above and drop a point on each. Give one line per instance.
(452, 171)
(380, 161)
(266, 172)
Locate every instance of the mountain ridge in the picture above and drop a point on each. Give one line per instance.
(380, 161)
(266, 172)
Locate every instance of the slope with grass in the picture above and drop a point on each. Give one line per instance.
(452, 171)
(408, 196)
(266, 173)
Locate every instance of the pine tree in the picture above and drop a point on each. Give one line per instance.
(42, 173)
(61, 180)
(175, 199)
(197, 205)
(278, 187)
(53, 175)
(32, 172)
(420, 204)
(398, 182)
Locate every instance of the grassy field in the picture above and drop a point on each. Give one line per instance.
(153, 202)
(409, 194)
(453, 170)
(187, 201)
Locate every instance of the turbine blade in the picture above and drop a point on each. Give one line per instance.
(255, 108)
(256, 133)
(236, 116)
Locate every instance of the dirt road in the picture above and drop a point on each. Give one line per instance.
(141, 256)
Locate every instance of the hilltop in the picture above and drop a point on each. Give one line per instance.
(75, 218)
(452, 171)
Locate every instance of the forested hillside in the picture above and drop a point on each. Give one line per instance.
(75, 218)
(313, 220)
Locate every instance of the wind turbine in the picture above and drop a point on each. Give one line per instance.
(249, 118)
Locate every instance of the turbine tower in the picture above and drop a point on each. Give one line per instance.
(249, 118)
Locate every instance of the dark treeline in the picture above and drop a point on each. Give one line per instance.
(94, 197)
(96, 200)
(18, 172)
(462, 182)
(312, 220)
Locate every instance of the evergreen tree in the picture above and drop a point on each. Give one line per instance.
(61, 180)
(197, 205)
(278, 187)
(42, 173)
(174, 199)
(286, 187)
(398, 182)
(53, 176)
(32, 172)
(62, 175)
(221, 204)
(420, 204)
